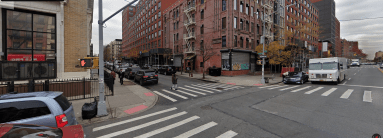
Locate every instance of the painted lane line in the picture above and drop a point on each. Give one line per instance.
(344, 83)
(228, 134)
(301, 89)
(167, 97)
(347, 94)
(314, 90)
(133, 119)
(349, 78)
(329, 92)
(155, 132)
(277, 87)
(192, 91)
(196, 130)
(207, 88)
(367, 96)
(183, 97)
(142, 125)
(186, 93)
(198, 89)
(288, 88)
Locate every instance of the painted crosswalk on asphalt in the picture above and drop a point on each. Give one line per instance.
(154, 128)
(297, 90)
(194, 90)
(329, 92)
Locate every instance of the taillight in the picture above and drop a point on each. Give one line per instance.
(61, 120)
(156, 75)
(145, 76)
(168, 69)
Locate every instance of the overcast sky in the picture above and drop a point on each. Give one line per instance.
(368, 32)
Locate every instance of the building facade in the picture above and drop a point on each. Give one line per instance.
(116, 49)
(56, 32)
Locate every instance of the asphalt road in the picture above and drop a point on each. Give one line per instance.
(351, 109)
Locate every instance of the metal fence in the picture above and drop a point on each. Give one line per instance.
(73, 89)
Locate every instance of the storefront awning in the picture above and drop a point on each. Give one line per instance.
(190, 57)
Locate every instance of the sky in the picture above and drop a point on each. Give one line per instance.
(367, 32)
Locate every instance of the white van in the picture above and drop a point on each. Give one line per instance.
(327, 69)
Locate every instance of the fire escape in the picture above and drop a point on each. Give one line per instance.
(189, 22)
(268, 9)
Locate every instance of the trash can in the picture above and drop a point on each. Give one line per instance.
(89, 110)
(215, 71)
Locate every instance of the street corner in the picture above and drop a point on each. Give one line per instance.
(380, 70)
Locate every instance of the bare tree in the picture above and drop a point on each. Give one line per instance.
(206, 52)
(107, 53)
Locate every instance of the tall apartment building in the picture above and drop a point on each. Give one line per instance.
(127, 15)
(327, 22)
(116, 49)
(58, 32)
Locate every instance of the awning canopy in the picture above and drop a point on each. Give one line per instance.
(190, 57)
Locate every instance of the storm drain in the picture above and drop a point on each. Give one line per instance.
(206, 107)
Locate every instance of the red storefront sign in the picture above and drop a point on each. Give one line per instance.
(25, 57)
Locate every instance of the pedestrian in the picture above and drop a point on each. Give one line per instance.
(121, 79)
(113, 74)
(188, 70)
(174, 81)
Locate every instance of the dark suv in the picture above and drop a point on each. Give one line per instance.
(167, 69)
(130, 72)
(146, 76)
(46, 108)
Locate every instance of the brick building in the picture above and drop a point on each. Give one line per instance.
(338, 42)
(58, 32)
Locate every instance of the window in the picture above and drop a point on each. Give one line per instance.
(192, 46)
(202, 1)
(159, 43)
(201, 64)
(155, 17)
(63, 102)
(155, 7)
(13, 111)
(159, 23)
(252, 44)
(202, 14)
(235, 41)
(247, 25)
(159, 5)
(130, 8)
(235, 22)
(223, 5)
(241, 42)
(241, 24)
(252, 11)
(235, 4)
(201, 29)
(257, 14)
(159, 14)
(247, 42)
(159, 33)
(223, 41)
(252, 27)
(174, 25)
(247, 9)
(241, 7)
(224, 23)
(177, 13)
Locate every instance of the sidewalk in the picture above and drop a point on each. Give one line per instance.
(242, 80)
(128, 99)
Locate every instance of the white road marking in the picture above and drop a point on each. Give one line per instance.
(228, 134)
(183, 97)
(133, 119)
(142, 125)
(209, 84)
(344, 83)
(207, 88)
(155, 132)
(186, 93)
(199, 89)
(364, 86)
(288, 88)
(267, 86)
(301, 89)
(355, 74)
(192, 91)
(277, 87)
(329, 92)
(314, 90)
(347, 94)
(196, 130)
(213, 86)
(367, 96)
(349, 78)
(167, 97)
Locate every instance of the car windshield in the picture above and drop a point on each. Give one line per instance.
(315, 66)
(330, 66)
(32, 131)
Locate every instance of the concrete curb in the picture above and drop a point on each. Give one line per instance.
(380, 69)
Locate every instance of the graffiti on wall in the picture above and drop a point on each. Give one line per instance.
(238, 66)
(225, 65)
(245, 66)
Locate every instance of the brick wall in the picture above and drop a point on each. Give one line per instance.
(76, 34)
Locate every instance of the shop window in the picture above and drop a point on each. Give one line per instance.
(201, 64)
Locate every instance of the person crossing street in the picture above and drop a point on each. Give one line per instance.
(174, 81)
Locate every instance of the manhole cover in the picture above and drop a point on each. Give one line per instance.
(219, 88)
(206, 107)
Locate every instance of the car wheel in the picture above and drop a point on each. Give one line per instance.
(141, 83)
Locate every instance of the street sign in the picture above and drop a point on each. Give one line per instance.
(263, 56)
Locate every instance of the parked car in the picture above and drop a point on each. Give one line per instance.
(130, 72)
(167, 69)
(45, 108)
(296, 77)
(122, 69)
(146, 76)
(156, 67)
(33, 131)
(381, 65)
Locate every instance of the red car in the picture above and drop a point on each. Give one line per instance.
(35, 131)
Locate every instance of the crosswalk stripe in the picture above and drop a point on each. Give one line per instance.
(133, 119)
(277, 87)
(347, 94)
(155, 132)
(233, 88)
(367, 96)
(228, 134)
(167, 97)
(207, 88)
(288, 88)
(186, 93)
(192, 91)
(209, 84)
(215, 86)
(329, 92)
(301, 89)
(183, 97)
(142, 125)
(314, 90)
(196, 130)
(266, 86)
(198, 89)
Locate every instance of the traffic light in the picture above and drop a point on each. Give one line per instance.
(86, 63)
